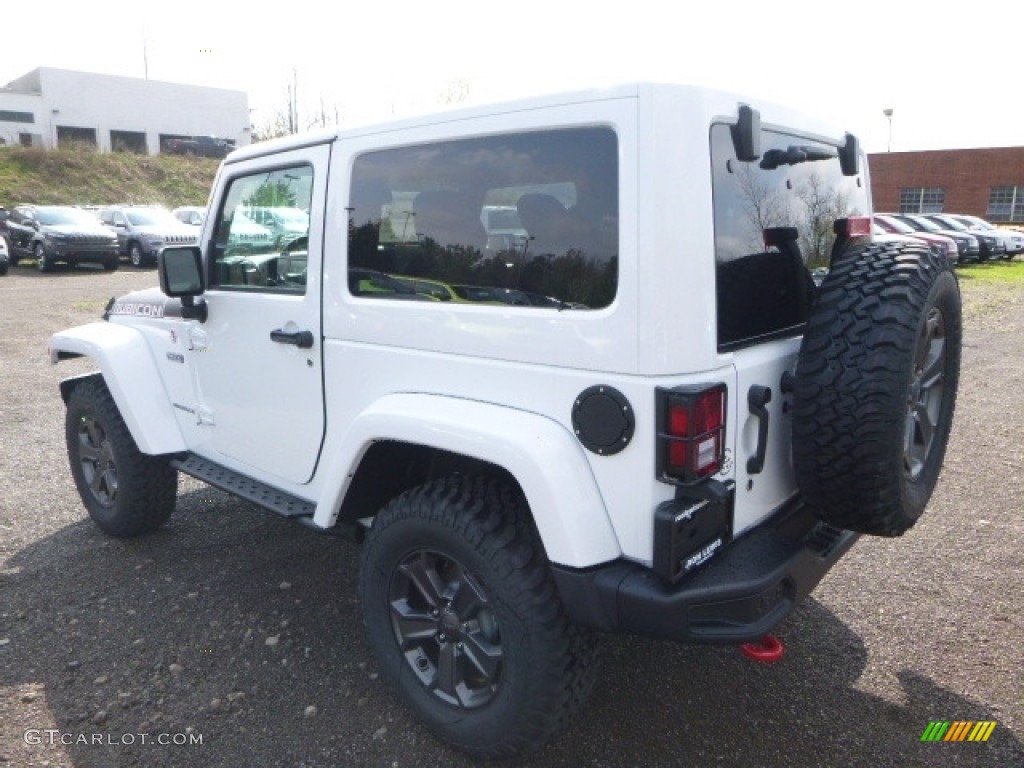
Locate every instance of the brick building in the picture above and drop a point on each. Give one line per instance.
(981, 182)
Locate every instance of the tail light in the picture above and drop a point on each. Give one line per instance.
(854, 226)
(691, 433)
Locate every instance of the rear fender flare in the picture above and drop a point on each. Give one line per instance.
(542, 455)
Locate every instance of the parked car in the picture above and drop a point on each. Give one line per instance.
(5, 256)
(284, 222)
(247, 236)
(59, 233)
(203, 146)
(992, 246)
(192, 215)
(966, 243)
(4, 239)
(143, 231)
(945, 245)
(1012, 238)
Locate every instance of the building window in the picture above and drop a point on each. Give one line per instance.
(922, 199)
(128, 141)
(70, 136)
(7, 116)
(1006, 204)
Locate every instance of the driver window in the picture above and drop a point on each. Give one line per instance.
(262, 232)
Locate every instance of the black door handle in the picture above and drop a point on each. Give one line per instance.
(301, 339)
(757, 398)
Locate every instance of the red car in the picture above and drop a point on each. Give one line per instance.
(896, 227)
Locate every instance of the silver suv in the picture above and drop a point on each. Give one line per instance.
(677, 439)
(143, 231)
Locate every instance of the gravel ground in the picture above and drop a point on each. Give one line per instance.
(239, 633)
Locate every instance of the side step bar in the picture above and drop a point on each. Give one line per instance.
(258, 493)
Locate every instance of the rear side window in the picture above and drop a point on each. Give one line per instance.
(774, 222)
(528, 220)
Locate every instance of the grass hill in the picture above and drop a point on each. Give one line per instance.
(82, 176)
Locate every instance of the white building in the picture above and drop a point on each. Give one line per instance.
(48, 107)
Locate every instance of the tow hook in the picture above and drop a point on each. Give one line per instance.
(767, 649)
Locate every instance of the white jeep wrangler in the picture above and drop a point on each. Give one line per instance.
(639, 415)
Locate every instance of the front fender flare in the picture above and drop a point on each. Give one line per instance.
(541, 454)
(128, 369)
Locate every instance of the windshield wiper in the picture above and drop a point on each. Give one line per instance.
(794, 154)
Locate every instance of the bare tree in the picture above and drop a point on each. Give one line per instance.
(822, 207)
(764, 207)
(289, 120)
(456, 91)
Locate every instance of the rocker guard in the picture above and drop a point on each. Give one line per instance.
(738, 596)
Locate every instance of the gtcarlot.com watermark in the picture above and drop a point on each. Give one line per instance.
(52, 737)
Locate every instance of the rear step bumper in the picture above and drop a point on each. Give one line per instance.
(738, 596)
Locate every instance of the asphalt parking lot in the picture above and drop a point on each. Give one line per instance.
(232, 637)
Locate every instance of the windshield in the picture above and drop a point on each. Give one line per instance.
(57, 216)
(922, 225)
(974, 221)
(150, 218)
(897, 226)
(950, 223)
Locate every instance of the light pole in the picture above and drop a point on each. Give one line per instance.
(888, 113)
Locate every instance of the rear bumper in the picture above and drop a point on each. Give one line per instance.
(738, 596)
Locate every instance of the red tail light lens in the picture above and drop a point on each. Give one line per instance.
(691, 432)
(858, 226)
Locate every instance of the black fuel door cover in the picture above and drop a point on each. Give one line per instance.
(603, 420)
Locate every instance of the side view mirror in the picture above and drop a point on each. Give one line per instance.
(181, 276)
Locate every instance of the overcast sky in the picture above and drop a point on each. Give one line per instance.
(951, 79)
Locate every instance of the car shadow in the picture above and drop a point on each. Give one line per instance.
(244, 629)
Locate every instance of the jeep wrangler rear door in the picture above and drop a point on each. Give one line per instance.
(774, 218)
(258, 356)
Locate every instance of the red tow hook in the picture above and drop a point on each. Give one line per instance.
(766, 650)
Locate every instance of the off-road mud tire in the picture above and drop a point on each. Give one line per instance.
(546, 668)
(126, 492)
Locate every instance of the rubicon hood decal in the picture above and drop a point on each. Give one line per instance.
(149, 303)
(143, 308)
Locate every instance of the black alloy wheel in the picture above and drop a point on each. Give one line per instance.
(446, 628)
(925, 396)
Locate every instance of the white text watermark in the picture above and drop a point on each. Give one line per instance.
(52, 736)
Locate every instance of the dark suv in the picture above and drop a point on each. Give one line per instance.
(143, 231)
(991, 245)
(55, 233)
(967, 244)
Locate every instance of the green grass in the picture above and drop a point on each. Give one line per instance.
(82, 176)
(999, 273)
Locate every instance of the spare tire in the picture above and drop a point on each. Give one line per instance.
(875, 387)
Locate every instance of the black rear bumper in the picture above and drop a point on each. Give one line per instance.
(741, 594)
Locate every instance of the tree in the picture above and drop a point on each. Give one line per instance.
(764, 208)
(823, 207)
(288, 119)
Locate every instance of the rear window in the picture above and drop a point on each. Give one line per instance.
(527, 220)
(791, 198)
